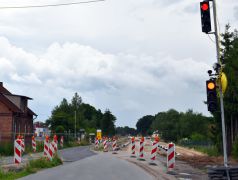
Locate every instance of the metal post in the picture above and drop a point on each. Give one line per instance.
(220, 88)
(75, 125)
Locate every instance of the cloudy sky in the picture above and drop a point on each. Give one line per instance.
(135, 57)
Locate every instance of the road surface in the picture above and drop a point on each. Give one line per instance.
(103, 166)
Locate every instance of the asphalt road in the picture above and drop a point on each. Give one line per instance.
(75, 154)
(103, 166)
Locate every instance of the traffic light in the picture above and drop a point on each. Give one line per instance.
(211, 95)
(205, 16)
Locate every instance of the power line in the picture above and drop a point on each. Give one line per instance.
(50, 5)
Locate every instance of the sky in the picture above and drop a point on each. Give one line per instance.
(134, 57)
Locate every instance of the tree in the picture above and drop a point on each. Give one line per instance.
(143, 125)
(108, 123)
(124, 131)
(87, 117)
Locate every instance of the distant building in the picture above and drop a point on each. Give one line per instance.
(15, 116)
(41, 129)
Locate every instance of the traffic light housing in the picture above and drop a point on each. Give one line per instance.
(205, 16)
(211, 95)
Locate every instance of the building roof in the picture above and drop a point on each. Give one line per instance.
(4, 93)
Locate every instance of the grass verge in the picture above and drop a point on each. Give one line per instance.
(32, 167)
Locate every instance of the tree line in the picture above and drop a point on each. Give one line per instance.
(87, 117)
(175, 126)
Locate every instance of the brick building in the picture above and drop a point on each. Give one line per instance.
(15, 116)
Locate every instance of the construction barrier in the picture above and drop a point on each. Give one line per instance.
(133, 146)
(46, 147)
(162, 149)
(22, 144)
(154, 151)
(55, 143)
(51, 151)
(105, 145)
(171, 156)
(141, 152)
(114, 146)
(17, 151)
(96, 143)
(33, 144)
(62, 141)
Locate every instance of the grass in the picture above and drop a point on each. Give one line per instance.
(6, 149)
(209, 150)
(32, 167)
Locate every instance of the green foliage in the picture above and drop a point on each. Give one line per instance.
(143, 125)
(209, 150)
(59, 129)
(87, 117)
(123, 131)
(6, 149)
(174, 126)
(32, 167)
(235, 149)
(197, 137)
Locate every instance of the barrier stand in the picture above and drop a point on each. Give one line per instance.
(22, 144)
(62, 141)
(17, 151)
(141, 152)
(33, 144)
(133, 146)
(114, 145)
(105, 145)
(171, 157)
(154, 150)
(96, 143)
(46, 147)
(55, 143)
(51, 151)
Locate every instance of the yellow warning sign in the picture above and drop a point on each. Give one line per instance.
(99, 134)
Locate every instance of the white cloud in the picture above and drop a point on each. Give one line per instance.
(135, 57)
(118, 81)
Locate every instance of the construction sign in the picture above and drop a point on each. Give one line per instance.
(99, 134)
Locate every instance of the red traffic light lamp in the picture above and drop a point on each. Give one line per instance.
(205, 16)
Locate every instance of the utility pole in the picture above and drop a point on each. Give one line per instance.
(75, 116)
(220, 88)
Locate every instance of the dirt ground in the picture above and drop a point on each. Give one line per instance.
(190, 164)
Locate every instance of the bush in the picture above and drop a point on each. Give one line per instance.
(6, 149)
(235, 149)
(32, 167)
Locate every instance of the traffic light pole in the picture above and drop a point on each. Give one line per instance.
(220, 88)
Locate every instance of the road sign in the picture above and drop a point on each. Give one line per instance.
(99, 134)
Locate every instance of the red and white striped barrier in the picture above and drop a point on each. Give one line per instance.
(141, 152)
(105, 146)
(153, 152)
(62, 141)
(46, 147)
(33, 144)
(55, 143)
(17, 151)
(171, 156)
(22, 145)
(114, 146)
(51, 151)
(133, 146)
(96, 143)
